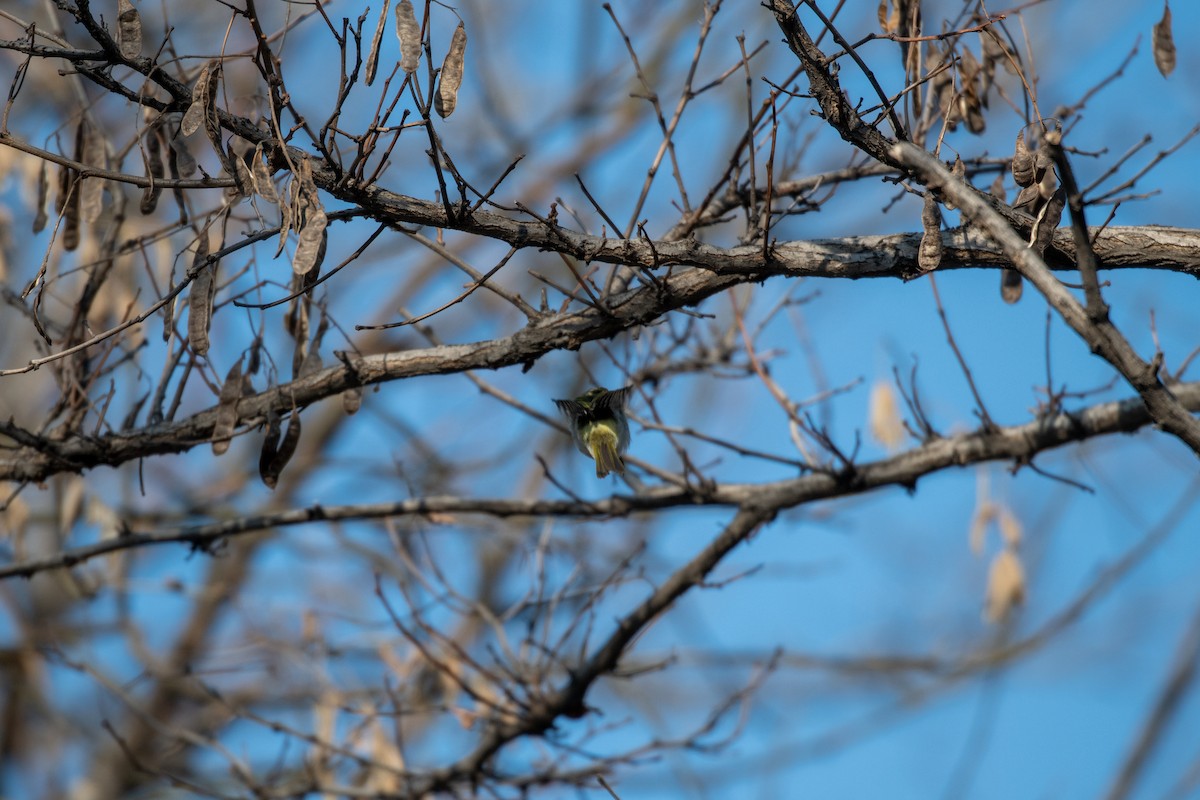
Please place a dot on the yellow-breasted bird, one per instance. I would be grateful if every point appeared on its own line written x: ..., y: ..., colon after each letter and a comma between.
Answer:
x: 600, y: 427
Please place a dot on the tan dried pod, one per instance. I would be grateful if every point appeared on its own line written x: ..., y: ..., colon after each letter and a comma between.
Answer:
x: 231, y: 392
x: 883, y: 417
x: 91, y: 199
x: 200, y: 298
x: 409, y: 33
x: 1006, y: 586
x: 1022, y: 162
x: 376, y: 41
x: 243, y: 182
x: 452, y: 72
x: 129, y: 30
x: 260, y: 176
x: 185, y: 162
x: 352, y: 400
x: 888, y: 22
x: 193, y: 118
x: 929, y: 254
x: 1164, y: 43
x: 310, y: 248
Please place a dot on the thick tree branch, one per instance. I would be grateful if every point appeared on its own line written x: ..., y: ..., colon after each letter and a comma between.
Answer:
x: 1101, y: 336
x: 1017, y: 443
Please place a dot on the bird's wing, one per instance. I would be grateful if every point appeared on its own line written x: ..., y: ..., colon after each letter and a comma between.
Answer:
x: 569, y: 407
x: 616, y: 399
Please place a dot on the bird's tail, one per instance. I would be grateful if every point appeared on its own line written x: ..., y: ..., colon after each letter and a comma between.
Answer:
x: 604, y: 451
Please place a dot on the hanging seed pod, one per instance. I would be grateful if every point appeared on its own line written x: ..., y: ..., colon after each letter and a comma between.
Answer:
x: 929, y: 254
x: 376, y: 41
x: 129, y: 30
x: 69, y: 196
x: 1022, y: 162
x: 1047, y: 220
x: 452, y: 72
x: 154, y: 171
x: 270, y: 448
x: 43, y: 190
x: 231, y: 392
x: 409, y: 33
x: 352, y: 400
x: 201, y: 297
x: 91, y: 192
x: 1164, y: 43
x: 193, y: 118
x: 273, y: 467
x: 311, y: 248
x: 1011, y: 286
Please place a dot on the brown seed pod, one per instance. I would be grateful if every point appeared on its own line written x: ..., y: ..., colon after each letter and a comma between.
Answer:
x: 129, y: 30
x: 43, y: 190
x: 1164, y: 43
x: 231, y: 392
x: 929, y: 254
x: 409, y: 33
x: 452, y: 72
x: 376, y: 41
x: 1022, y: 162
x: 201, y: 297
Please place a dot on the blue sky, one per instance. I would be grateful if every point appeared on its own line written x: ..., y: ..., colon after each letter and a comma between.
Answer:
x: 888, y: 574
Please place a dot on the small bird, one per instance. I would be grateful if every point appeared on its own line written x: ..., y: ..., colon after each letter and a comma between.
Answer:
x: 600, y: 427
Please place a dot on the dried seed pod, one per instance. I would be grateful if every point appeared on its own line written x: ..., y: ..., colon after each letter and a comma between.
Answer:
x: 260, y: 177
x: 129, y: 30
x: 409, y: 33
x: 352, y: 400
x: 194, y: 117
x: 452, y: 72
x: 231, y: 392
x: 310, y: 250
x: 184, y: 160
x: 1022, y: 162
x: 1006, y: 586
x: 883, y: 417
x: 997, y: 51
x: 1047, y: 220
x: 154, y: 170
x: 201, y: 297
x: 43, y: 190
x: 929, y: 254
x: 69, y: 189
x: 243, y: 182
x: 91, y: 199
x: 287, y: 448
x: 1043, y: 171
x: 270, y: 449
x: 376, y: 41
x: 1011, y: 286
x: 1028, y: 199
x: 888, y: 23
x: 1164, y: 43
